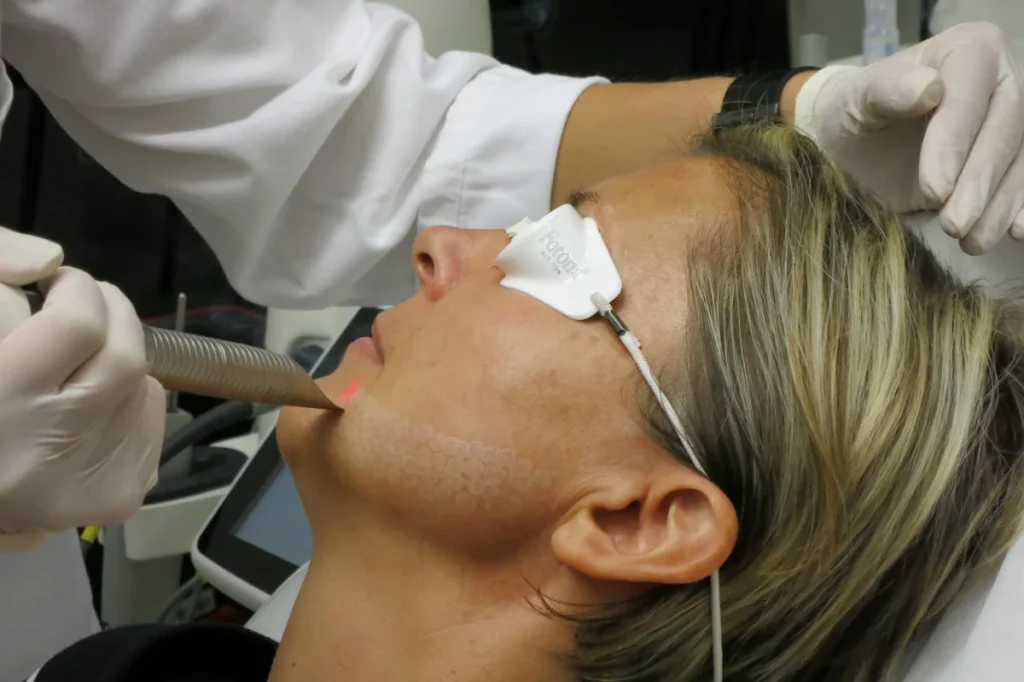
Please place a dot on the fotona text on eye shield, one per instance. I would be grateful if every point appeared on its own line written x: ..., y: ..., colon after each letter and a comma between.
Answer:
x: 561, y: 260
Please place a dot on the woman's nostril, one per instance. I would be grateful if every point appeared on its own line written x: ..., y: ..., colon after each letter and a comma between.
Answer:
x: 425, y: 264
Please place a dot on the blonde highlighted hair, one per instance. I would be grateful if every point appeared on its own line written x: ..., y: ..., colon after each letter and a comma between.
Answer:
x: 863, y: 410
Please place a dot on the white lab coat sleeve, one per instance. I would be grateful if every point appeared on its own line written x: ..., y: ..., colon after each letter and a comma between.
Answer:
x: 305, y: 140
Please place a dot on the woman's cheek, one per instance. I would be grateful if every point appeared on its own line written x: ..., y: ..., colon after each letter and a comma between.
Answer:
x: 438, y: 480
x: 292, y: 426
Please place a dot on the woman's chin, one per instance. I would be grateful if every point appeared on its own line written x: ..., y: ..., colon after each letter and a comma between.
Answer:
x: 302, y: 432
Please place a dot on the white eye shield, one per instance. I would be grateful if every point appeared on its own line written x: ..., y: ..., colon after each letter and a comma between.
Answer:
x: 562, y: 261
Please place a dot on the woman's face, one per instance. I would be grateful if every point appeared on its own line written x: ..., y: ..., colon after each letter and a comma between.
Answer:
x: 482, y: 415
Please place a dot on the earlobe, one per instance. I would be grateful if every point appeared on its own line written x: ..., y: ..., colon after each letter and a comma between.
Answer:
x: 677, y: 527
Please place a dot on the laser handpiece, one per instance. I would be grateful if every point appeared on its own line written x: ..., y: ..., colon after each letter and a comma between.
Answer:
x: 223, y: 369
x: 232, y: 371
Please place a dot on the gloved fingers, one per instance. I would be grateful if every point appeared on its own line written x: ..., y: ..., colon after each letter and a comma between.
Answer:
x: 1017, y: 230
x: 25, y: 259
x: 999, y: 215
x: 105, y: 482
x: 150, y: 435
x: 14, y: 309
x: 121, y: 362
x: 996, y: 147
x: 130, y: 451
x: 970, y: 76
x: 43, y: 351
x: 899, y: 89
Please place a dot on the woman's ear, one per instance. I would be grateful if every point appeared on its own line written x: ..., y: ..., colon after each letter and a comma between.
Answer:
x: 670, y: 526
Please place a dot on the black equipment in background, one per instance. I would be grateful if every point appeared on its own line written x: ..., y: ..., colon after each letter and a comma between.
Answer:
x: 642, y: 40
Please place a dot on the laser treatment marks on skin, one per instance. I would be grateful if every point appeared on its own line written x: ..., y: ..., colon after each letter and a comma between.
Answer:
x: 441, y: 467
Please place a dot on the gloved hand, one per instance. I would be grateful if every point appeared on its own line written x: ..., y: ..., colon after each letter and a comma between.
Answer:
x: 81, y: 424
x: 937, y: 126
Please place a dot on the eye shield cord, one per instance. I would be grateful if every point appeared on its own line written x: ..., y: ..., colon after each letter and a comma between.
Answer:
x: 632, y: 344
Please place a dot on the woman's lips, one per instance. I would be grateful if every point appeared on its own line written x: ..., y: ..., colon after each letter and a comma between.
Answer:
x: 367, y: 349
x: 375, y: 337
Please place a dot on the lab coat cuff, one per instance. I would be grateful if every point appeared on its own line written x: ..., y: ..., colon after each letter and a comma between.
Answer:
x: 494, y: 158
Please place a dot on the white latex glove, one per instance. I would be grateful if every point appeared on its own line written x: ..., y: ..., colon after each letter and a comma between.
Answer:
x: 937, y: 126
x: 81, y: 424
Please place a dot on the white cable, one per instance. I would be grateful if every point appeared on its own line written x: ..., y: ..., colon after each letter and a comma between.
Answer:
x: 717, y: 655
x: 632, y: 344
x: 186, y: 589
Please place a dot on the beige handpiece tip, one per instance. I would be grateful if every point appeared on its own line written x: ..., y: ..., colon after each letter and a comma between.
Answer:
x: 327, y: 402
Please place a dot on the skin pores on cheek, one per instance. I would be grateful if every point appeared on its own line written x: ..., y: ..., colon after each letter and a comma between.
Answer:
x: 443, y: 467
x: 435, y: 474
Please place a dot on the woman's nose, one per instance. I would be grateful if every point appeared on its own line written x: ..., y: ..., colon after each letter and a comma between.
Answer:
x: 442, y: 256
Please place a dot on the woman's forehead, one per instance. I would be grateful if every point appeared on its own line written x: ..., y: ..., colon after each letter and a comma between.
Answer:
x: 656, y: 205
x: 649, y: 219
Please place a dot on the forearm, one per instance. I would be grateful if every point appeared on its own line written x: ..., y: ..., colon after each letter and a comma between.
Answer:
x: 618, y: 128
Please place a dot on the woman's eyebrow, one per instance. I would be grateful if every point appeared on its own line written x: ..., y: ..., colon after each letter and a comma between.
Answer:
x: 582, y: 196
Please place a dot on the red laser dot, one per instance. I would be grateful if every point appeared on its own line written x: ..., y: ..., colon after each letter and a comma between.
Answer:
x: 350, y: 392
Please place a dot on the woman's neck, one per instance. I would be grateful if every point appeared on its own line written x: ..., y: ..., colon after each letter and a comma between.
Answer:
x: 378, y: 607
